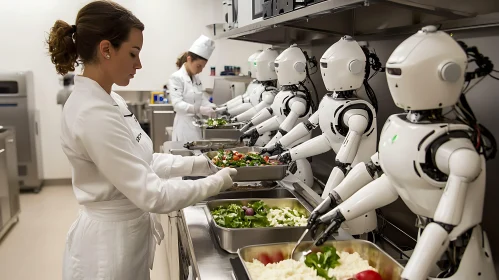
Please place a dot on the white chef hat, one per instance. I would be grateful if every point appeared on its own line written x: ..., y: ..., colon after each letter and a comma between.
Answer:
x: 203, y: 47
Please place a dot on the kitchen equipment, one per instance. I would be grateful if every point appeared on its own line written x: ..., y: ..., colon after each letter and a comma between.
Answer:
x: 267, y: 8
x: 213, y: 144
x: 202, y: 123
x: 9, y: 180
x: 237, y: 88
x: 17, y: 109
x: 295, y: 254
x: 252, y: 173
x: 387, y: 267
x: 160, y: 117
x: 231, y: 239
x: 285, y: 6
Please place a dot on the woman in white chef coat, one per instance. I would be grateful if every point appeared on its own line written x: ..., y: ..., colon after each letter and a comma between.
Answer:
x: 116, y: 177
x: 186, y: 91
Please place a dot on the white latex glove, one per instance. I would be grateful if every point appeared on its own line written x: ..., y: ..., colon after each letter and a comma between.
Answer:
x: 201, y: 166
x: 207, y: 111
x: 226, y: 174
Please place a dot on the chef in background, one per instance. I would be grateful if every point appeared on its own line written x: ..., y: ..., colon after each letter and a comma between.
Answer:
x: 186, y: 91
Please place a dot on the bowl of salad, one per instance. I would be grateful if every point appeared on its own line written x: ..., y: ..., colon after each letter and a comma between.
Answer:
x: 250, y: 165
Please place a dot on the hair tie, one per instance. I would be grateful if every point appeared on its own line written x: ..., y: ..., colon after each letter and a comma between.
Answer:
x: 73, y: 28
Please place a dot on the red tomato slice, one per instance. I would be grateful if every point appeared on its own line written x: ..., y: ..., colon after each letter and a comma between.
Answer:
x: 266, y: 158
x: 277, y: 257
x: 368, y: 275
x: 264, y: 258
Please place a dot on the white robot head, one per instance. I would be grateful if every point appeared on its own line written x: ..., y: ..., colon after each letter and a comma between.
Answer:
x: 265, y: 68
x: 251, y: 63
x: 426, y: 71
x: 343, y: 65
x: 290, y: 66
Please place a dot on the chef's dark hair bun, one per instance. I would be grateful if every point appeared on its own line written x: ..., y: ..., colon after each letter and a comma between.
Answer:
x: 183, y: 58
x: 70, y: 45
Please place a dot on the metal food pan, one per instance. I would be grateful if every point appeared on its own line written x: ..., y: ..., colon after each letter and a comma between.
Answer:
x: 224, y: 132
x: 213, y: 144
x: 231, y: 239
x: 252, y: 173
x: 387, y: 267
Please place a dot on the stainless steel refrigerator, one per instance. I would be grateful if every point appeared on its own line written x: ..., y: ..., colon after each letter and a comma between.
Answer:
x: 17, y: 109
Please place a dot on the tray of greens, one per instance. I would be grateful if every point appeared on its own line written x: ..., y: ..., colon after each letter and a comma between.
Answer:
x: 250, y: 165
x: 237, y: 223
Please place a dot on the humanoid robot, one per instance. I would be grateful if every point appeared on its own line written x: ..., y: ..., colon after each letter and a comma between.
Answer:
x: 290, y: 106
x: 264, y: 71
x: 434, y: 163
x: 348, y: 123
x: 238, y: 100
x: 264, y: 94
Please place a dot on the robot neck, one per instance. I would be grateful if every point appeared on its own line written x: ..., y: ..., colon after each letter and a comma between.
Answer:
x: 347, y: 94
x: 290, y: 87
x: 417, y: 116
x: 271, y: 83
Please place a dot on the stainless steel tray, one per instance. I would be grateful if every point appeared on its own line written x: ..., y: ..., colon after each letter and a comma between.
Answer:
x: 387, y: 267
x: 213, y: 144
x: 231, y: 239
x: 252, y: 173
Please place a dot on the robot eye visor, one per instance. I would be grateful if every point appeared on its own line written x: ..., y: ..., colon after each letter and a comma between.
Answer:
x: 394, y: 71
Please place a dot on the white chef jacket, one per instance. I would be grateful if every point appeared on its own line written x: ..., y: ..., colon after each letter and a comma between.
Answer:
x: 185, y: 94
x: 118, y: 181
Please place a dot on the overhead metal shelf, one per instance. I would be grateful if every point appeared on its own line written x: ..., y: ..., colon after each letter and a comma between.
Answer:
x: 357, y: 17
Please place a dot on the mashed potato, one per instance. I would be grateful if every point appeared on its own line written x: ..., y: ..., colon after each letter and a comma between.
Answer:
x: 286, y: 269
x: 351, y: 264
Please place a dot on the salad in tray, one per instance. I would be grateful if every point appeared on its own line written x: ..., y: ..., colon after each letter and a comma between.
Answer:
x: 257, y: 215
x: 216, y: 122
x: 327, y: 264
x: 228, y: 158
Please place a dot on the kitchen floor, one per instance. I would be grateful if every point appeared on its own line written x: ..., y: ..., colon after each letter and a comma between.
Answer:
x: 34, y: 247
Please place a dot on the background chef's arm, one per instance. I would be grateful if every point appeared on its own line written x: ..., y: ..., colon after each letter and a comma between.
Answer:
x: 169, y: 166
x: 110, y: 147
x: 176, y: 86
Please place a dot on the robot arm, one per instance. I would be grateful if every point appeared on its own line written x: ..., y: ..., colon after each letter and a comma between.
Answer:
x: 462, y: 163
x: 298, y: 107
x: 260, y: 117
x: 299, y: 131
x: 236, y: 110
x: 268, y: 99
x: 376, y: 194
x: 268, y: 125
x: 361, y: 175
x: 357, y: 123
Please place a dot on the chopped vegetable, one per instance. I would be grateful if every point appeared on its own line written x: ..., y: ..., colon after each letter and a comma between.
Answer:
x: 215, y: 122
x: 255, y: 215
x: 230, y: 158
x: 323, y: 261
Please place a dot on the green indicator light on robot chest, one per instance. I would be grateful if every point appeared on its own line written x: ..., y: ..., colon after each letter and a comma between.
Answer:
x: 394, y: 138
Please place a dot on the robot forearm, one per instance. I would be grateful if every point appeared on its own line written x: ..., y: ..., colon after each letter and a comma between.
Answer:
x: 236, y: 110
x: 376, y: 194
x: 260, y: 117
x: 268, y: 125
x: 429, y: 248
x: 315, y: 146
x: 247, y: 115
x: 358, y: 177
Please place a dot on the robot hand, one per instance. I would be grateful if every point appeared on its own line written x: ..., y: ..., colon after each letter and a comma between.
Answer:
x: 284, y: 157
x: 277, y: 149
x: 331, y: 221
x: 252, y: 134
x: 326, y: 205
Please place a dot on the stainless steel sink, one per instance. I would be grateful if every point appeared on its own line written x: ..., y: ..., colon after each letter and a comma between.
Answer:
x: 273, y: 193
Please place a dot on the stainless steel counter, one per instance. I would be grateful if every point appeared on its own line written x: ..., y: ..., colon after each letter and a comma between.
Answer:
x: 208, y: 260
